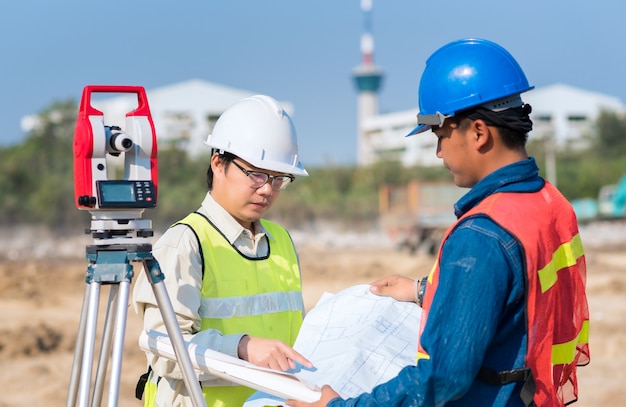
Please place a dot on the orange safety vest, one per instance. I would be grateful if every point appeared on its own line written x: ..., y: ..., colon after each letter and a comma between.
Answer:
x: 556, y: 304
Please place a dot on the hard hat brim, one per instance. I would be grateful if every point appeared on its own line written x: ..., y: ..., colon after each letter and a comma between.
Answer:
x: 421, y: 128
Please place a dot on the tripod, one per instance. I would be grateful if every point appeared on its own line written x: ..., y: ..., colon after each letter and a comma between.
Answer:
x: 109, y: 264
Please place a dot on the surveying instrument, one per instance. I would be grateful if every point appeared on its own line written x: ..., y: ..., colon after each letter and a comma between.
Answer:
x: 120, y: 236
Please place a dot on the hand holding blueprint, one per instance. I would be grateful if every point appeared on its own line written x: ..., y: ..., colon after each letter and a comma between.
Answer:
x: 356, y: 340
x: 238, y: 371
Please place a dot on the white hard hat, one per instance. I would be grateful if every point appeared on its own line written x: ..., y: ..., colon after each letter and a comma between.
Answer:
x: 258, y: 130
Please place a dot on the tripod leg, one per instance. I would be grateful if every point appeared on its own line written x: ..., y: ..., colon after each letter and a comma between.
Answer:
x: 173, y: 330
x: 78, y: 352
x: 90, y: 338
x: 105, y: 351
x: 118, y: 343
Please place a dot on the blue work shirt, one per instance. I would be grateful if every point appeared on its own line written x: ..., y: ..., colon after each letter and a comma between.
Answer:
x: 477, y: 317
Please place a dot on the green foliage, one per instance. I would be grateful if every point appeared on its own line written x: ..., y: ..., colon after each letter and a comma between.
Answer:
x: 611, y: 135
x: 344, y: 195
x: 581, y: 173
x: 36, y: 179
x: 182, y: 186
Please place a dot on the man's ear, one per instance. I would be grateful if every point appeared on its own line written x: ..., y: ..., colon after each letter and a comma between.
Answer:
x: 215, y: 161
x: 217, y: 164
x: 482, y: 134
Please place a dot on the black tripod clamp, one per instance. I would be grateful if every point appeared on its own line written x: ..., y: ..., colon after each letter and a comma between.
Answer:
x: 110, y: 264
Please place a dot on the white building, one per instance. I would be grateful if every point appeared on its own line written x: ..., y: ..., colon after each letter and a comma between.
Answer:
x: 566, y: 113
x: 560, y: 111
x: 183, y: 113
x: 383, y: 137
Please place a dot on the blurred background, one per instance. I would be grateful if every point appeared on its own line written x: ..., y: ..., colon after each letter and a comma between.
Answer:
x: 347, y: 72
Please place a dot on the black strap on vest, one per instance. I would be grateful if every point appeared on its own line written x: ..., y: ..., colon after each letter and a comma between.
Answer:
x: 141, y: 384
x: 492, y: 377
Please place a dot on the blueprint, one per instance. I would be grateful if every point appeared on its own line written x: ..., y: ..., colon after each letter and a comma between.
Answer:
x: 279, y: 384
x: 356, y: 340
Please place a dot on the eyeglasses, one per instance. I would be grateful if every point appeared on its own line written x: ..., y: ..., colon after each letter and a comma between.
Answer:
x: 259, y: 179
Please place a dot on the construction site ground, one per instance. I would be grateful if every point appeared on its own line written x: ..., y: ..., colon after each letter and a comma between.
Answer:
x: 41, y: 297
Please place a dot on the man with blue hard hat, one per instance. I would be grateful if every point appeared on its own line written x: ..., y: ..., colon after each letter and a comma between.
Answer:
x: 505, y: 318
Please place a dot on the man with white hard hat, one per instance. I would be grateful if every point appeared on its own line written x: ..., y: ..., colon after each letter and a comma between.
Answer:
x: 233, y: 277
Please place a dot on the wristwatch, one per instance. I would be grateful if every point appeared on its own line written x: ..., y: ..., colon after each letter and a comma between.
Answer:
x: 420, y: 289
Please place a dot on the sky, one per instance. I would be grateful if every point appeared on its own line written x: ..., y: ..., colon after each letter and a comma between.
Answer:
x: 294, y: 50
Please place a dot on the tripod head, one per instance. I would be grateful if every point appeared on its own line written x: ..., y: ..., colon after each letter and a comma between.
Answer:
x: 115, y: 205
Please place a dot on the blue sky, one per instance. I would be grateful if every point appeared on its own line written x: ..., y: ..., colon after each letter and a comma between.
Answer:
x: 301, y: 51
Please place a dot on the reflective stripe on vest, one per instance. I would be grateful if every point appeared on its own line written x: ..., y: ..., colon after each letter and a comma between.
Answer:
x: 557, y: 312
x: 246, y: 306
x: 565, y: 353
x: 565, y: 256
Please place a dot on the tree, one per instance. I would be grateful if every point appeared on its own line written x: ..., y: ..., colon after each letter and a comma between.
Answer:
x: 37, y: 180
x: 610, y: 140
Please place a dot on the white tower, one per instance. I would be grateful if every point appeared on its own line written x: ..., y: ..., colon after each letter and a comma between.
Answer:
x: 368, y: 79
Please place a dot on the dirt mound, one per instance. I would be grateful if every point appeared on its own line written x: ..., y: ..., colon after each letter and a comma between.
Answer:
x: 41, y: 302
x: 32, y: 341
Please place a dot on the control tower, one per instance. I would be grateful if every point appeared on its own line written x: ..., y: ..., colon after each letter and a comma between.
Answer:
x: 368, y: 79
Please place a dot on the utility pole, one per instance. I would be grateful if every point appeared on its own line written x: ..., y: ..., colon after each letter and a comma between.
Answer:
x: 549, y: 141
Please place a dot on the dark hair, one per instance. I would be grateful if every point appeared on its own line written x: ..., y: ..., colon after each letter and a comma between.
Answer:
x: 224, y: 156
x: 513, y: 124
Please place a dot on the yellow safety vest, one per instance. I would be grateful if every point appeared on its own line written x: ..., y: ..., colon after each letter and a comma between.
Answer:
x: 258, y: 296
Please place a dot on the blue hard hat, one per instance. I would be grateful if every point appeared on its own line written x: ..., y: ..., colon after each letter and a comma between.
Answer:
x: 464, y: 74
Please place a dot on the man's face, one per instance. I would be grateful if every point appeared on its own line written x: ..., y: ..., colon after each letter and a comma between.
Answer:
x: 233, y: 190
x: 453, y: 148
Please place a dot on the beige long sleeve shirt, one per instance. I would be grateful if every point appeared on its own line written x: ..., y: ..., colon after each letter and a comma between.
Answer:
x: 178, y: 255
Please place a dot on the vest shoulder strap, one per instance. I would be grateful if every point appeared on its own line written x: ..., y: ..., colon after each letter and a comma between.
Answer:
x: 186, y: 222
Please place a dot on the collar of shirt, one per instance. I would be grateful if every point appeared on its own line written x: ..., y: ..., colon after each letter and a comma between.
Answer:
x: 238, y: 236
x: 521, y: 176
